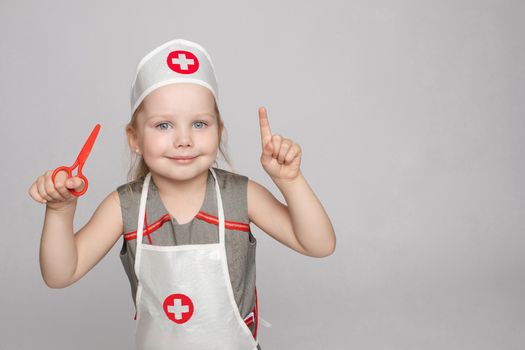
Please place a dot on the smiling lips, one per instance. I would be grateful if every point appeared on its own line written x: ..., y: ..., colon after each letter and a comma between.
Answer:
x: 183, y: 159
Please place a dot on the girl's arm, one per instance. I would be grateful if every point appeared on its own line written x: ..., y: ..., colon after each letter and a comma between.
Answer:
x: 302, y: 225
x: 64, y: 256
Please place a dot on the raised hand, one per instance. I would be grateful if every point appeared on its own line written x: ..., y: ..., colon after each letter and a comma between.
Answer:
x: 281, y: 157
x: 55, y: 194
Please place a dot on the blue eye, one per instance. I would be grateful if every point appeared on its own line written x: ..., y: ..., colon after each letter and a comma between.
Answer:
x: 160, y: 126
x: 165, y: 125
x: 201, y: 123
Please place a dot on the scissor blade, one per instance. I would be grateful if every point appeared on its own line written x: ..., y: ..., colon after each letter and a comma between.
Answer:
x: 86, y: 149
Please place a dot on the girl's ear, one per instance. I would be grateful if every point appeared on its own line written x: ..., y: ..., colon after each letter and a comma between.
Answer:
x: 132, y: 139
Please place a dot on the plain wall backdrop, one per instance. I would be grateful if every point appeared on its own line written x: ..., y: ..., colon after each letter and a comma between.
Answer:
x: 411, y: 119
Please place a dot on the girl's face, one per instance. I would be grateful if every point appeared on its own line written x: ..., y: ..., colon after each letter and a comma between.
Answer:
x: 178, y: 120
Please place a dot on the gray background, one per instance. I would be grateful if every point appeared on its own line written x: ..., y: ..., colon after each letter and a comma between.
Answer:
x: 411, y: 119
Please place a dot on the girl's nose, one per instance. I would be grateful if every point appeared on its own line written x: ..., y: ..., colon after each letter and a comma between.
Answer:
x: 183, y: 138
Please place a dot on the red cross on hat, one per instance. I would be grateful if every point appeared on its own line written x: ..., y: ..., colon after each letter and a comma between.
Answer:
x: 183, y: 62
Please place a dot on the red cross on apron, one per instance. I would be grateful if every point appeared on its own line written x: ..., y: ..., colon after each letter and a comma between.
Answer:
x: 178, y: 308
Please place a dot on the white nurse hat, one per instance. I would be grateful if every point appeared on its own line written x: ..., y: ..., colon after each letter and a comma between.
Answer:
x: 176, y: 61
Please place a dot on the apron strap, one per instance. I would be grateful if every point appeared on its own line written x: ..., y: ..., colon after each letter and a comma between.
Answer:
x: 220, y: 210
x: 140, y: 223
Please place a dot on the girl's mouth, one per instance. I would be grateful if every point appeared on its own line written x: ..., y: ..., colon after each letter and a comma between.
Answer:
x: 183, y: 160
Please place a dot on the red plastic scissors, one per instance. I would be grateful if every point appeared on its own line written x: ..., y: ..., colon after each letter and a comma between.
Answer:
x: 81, y: 159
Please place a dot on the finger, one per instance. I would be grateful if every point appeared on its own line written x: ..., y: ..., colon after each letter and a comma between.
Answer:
x: 58, y: 182
x: 276, y: 140
x: 61, y: 175
x: 268, y: 150
x: 294, y: 151
x: 285, y: 147
x: 42, y: 189
x: 62, y: 187
x: 51, y: 187
x: 266, y: 156
x: 264, y: 126
x: 33, y: 192
x: 75, y: 183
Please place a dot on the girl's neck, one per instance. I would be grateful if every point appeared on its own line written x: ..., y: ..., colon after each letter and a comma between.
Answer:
x: 180, y: 189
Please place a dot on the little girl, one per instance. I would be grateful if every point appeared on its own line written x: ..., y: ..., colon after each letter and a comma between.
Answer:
x: 187, y: 247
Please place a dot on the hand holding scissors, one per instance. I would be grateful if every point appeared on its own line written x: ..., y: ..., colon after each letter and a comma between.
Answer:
x: 81, y: 159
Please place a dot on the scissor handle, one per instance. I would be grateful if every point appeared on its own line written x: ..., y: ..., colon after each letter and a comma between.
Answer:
x: 69, y: 171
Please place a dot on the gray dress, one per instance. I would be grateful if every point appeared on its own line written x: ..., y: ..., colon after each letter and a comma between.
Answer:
x: 162, y: 229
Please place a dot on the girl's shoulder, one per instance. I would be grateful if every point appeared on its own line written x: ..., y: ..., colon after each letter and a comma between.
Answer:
x: 232, y: 183
x: 130, y: 192
x: 226, y: 175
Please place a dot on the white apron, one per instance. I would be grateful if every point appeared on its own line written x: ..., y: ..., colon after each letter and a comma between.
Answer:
x: 184, y: 296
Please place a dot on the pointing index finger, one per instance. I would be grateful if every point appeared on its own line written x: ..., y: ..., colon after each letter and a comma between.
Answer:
x: 264, y: 124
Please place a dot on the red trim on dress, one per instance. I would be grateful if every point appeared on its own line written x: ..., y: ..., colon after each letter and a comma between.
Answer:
x: 253, y: 316
x: 249, y: 320
x: 256, y: 311
x: 232, y: 225
x: 148, y: 229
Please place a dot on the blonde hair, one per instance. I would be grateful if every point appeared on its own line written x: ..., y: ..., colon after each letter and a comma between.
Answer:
x: 138, y: 167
